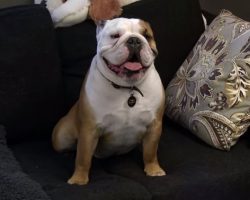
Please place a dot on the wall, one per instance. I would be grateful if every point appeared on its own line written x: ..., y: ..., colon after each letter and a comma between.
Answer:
x: 240, y: 8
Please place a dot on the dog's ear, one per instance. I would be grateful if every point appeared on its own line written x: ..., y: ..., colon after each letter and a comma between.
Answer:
x: 99, y: 27
x: 147, y: 32
x: 104, y: 9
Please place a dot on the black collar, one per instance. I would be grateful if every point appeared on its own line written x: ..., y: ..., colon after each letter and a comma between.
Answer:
x: 127, y: 87
x: 116, y: 86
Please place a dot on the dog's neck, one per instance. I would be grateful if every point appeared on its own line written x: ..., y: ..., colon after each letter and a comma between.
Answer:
x: 131, y: 100
x: 131, y: 88
x: 117, y: 86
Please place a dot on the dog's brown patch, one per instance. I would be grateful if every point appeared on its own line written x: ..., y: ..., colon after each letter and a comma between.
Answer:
x: 147, y: 32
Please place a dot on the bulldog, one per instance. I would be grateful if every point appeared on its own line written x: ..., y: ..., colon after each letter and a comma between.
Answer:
x: 121, y: 102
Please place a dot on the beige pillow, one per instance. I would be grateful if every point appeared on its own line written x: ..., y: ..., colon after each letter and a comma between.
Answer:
x: 210, y: 94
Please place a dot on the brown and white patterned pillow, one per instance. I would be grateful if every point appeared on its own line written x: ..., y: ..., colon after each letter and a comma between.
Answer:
x: 210, y: 94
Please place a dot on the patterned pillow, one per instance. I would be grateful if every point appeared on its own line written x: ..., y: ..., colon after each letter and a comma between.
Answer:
x: 210, y: 94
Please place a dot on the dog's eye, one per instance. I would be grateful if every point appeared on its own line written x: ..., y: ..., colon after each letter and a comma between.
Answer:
x: 115, y: 36
x: 147, y: 36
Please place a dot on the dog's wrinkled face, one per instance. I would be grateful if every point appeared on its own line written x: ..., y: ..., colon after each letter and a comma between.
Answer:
x: 127, y: 47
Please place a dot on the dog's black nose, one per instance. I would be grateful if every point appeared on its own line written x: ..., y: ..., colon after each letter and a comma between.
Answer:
x: 134, y: 42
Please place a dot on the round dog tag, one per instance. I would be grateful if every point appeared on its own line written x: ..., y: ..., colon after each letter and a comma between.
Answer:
x: 131, y: 101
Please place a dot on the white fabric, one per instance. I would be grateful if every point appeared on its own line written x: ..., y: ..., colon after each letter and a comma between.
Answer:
x: 72, y: 11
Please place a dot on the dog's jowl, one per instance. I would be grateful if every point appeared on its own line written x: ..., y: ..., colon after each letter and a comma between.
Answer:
x: 121, y: 103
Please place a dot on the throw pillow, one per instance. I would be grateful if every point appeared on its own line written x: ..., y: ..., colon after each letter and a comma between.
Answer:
x: 210, y: 94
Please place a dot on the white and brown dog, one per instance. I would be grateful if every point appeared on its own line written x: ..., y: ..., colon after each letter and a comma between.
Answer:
x: 121, y: 102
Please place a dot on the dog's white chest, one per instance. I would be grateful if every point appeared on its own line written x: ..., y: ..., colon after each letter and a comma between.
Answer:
x: 120, y: 126
x: 127, y: 120
x: 123, y: 129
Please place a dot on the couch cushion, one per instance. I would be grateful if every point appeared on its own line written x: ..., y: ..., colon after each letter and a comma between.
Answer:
x: 77, y: 47
x: 210, y: 92
x: 177, y: 26
x: 52, y: 170
x: 194, y: 171
x: 30, y: 78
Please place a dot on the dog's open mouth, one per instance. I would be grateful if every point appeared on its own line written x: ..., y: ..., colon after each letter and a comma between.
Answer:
x: 131, y: 67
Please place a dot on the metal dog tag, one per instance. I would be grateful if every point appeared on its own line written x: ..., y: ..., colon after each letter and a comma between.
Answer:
x: 131, y: 101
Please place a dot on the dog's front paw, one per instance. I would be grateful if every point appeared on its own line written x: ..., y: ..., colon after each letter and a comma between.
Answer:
x: 78, y: 180
x: 154, y: 170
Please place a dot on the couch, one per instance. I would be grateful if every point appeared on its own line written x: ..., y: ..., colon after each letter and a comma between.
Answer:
x: 41, y: 71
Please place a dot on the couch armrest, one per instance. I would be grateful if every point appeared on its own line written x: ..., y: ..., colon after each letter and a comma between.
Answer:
x: 31, y: 96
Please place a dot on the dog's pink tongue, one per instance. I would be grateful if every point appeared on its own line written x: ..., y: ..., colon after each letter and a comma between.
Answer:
x: 133, y: 66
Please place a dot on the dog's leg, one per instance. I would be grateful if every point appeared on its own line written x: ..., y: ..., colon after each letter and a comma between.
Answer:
x: 64, y: 136
x: 150, y: 146
x: 87, y: 142
x: 65, y: 133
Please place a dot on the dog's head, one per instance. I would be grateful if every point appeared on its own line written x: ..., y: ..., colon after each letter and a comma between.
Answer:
x: 127, y: 48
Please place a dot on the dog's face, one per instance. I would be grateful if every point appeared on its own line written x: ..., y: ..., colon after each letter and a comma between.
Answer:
x: 127, y: 47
